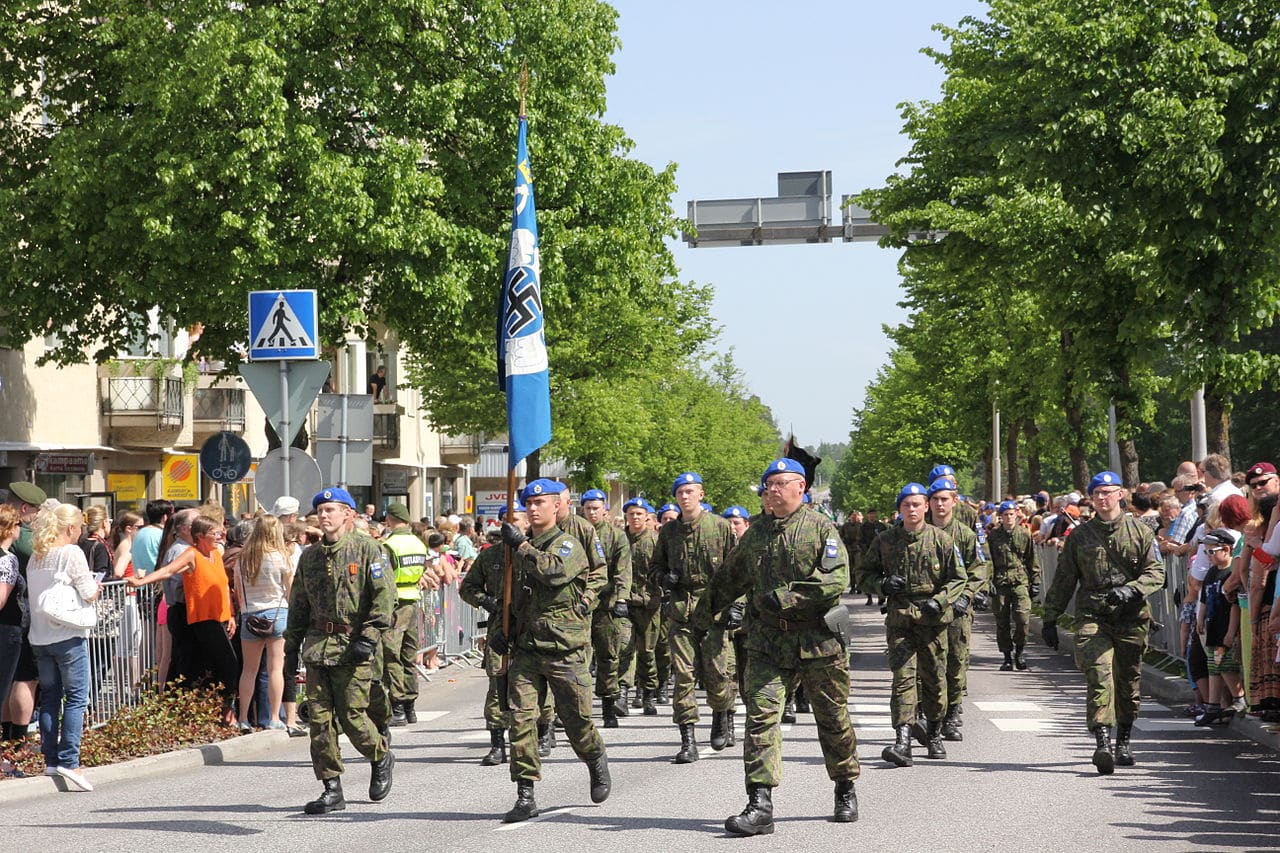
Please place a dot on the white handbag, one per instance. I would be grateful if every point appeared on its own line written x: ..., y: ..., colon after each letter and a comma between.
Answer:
x: 62, y: 605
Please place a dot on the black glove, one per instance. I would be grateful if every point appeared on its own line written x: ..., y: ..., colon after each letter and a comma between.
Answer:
x: 733, y: 616
x: 668, y: 581
x: 491, y: 604
x: 361, y: 650
x: 961, y: 607
x: 930, y: 608
x: 982, y: 602
x: 498, y: 643
x: 894, y: 585
x: 1049, y: 633
x: 512, y: 536
x: 582, y: 608
x: 620, y: 608
x: 1121, y: 595
x: 1035, y: 590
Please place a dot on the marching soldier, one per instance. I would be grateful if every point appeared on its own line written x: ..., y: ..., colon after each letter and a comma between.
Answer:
x: 408, y: 557
x: 662, y: 651
x: 792, y: 569
x: 916, y: 566
x: 943, y: 499
x: 690, y: 550
x: 343, y: 600
x: 640, y: 664
x: 872, y: 527
x: 1111, y: 561
x: 554, y: 593
x: 610, y: 624
x: 1015, y: 573
x: 739, y: 520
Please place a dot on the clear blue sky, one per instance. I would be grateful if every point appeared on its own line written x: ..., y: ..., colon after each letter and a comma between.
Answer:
x: 735, y: 92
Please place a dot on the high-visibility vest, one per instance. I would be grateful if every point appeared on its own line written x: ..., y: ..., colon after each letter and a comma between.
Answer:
x: 408, y: 558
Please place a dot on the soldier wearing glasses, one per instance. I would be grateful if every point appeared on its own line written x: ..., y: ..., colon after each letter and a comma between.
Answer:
x: 1110, y: 559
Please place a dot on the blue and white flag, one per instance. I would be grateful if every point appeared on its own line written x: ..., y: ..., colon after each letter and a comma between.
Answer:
x: 522, y: 345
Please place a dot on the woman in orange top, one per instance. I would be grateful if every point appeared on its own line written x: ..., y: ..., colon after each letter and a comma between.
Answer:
x: 209, y: 616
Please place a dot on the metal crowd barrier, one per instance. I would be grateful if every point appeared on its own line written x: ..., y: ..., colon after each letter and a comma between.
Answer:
x: 121, y: 649
x: 450, y: 626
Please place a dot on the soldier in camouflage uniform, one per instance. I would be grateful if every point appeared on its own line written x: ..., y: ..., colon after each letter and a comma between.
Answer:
x: 943, y: 500
x: 482, y: 588
x: 662, y: 651
x: 792, y: 568
x: 872, y: 527
x: 689, y: 552
x: 610, y: 624
x: 553, y: 597
x: 1015, y: 567
x: 916, y: 566
x: 639, y: 663
x: 1111, y: 560
x: 342, y: 601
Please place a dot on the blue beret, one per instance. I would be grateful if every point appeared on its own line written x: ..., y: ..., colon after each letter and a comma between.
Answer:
x: 502, y: 510
x: 685, y: 479
x: 333, y: 495
x: 542, y: 487
x: 1106, y: 478
x: 807, y: 499
x: 594, y: 495
x: 782, y: 466
x: 640, y: 502
x: 942, y: 484
x: 668, y: 508
x: 736, y: 512
x: 1005, y: 506
x: 706, y: 507
x: 910, y: 489
x: 941, y: 471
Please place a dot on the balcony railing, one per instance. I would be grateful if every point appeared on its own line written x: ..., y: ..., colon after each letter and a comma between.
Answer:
x: 223, y: 407
x: 459, y: 449
x: 142, y: 396
x: 386, y: 431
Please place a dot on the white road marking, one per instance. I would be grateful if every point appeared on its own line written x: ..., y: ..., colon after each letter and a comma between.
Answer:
x: 1007, y: 707
x: 873, y: 722
x: 545, y: 815
x: 869, y: 708
x: 428, y: 716
x: 1184, y: 725
x: 483, y: 734
x: 874, y: 732
x: 1023, y: 725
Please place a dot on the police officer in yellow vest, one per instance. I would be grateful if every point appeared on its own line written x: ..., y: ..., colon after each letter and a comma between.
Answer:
x: 408, y: 558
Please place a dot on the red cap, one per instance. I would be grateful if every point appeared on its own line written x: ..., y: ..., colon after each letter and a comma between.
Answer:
x: 1259, y: 469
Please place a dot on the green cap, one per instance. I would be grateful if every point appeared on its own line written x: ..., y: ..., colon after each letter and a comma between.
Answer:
x: 28, y: 493
x: 399, y: 510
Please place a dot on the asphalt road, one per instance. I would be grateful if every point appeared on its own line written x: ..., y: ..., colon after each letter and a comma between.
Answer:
x: 1020, y: 779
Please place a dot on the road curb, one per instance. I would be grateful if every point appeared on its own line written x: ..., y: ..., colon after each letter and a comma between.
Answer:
x: 242, y: 746
x: 1169, y: 689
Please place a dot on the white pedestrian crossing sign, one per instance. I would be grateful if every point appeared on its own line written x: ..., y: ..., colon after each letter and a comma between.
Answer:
x: 283, y: 324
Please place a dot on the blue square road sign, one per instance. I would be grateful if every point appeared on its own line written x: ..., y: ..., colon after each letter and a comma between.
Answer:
x: 283, y: 324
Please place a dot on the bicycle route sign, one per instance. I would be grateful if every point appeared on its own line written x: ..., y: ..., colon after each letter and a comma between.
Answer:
x: 225, y: 458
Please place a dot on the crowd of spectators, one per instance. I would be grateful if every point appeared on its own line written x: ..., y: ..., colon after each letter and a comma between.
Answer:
x: 216, y: 589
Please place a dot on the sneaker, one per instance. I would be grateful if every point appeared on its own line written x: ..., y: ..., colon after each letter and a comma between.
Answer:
x: 51, y: 771
x: 75, y: 779
x: 1194, y: 710
x: 1238, y: 706
x: 244, y: 727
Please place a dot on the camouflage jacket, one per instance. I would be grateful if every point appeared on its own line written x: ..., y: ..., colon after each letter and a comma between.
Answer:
x: 582, y: 530
x: 617, y: 553
x: 851, y: 536
x: 645, y: 592
x: 485, y: 578
x: 1099, y: 556
x: 342, y: 590
x: 929, y: 562
x: 792, y: 571
x: 972, y: 560
x: 693, y: 551
x: 551, y: 578
x: 1013, y: 557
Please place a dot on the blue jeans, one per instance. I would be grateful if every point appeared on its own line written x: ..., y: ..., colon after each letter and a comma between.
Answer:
x: 64, y: 674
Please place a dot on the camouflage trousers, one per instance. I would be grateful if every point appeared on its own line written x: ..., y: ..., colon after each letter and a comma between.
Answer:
x: 958, y: 633
x: 639, y: 664
x: 530, y: 677
x: 496, y: 713
x: 921, y: 648
x: 826, y: 682
x: 662, y: 648
x: 400, y: 651
x: 1111, y: 657
x: 338, y: 701
x: 1012, y: 607
x: 609, y: 636
x: 717, y: 670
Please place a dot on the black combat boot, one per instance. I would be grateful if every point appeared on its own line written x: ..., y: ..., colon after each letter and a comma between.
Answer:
x: 789, y: 710
x: 621, y: 703
x: 397, y: 715
x: 1102, y: 757
x: 900, y: 752
x: 526, y: 806
x: 380, y: 779
x: 410, y: 711
x: 718, y: 736
x: 330, y: 801
x: 1123, y: 754
x: 688, y: 745
x: 846, y: 802
x: 546, y: 739
x: 497, y: 749
x: 936, y: 748
x: 610, y: 712
x: 1007, y: 666
x: 1019, y: 659
x: 598, y: 768
x: 802, y: 701
x: 870, y: 600
x: 951, y: 725
x: 757, y: 817
x: 650, y: 703
x: 729, y: 737
x: 920, y: 731
x: 663, y: 696
x: 637, y: 698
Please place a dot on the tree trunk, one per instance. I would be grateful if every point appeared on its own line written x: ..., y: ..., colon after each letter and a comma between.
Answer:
x: 1074, y: 414
x: 1124, y: 428
x: 1034, y: 476
x: 1217, y: 421
x: 1011, y: 459
x: 533, y: 466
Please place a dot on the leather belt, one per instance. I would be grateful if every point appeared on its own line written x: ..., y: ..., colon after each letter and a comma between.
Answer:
x: 332, y: 627
x: 789, y: 624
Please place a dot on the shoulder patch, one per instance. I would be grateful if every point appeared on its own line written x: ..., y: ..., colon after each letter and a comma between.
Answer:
x: 375, y: 569
x: 831, y: 551
x: 566, y: 548
x: 599, y: 550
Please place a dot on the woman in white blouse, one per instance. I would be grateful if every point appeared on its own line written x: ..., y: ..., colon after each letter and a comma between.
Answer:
x: 263, y: 578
